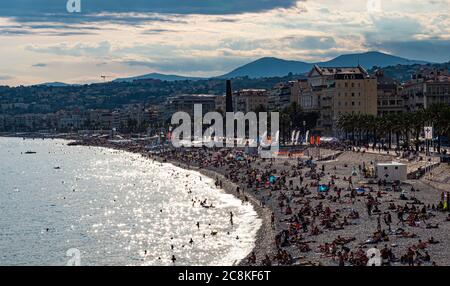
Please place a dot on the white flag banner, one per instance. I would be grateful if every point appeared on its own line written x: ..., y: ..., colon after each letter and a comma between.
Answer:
x: 428, y: 133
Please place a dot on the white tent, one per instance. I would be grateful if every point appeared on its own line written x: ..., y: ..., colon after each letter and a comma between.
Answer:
x: 391, y: 172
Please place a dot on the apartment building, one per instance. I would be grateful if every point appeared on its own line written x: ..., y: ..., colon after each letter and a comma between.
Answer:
x: 425, y: 89
x: 334, y: 91
x: 247, y: 100
x: 186, y: 103
x: 279, y: 97
x: 389, y: 98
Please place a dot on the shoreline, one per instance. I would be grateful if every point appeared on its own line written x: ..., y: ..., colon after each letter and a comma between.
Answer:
x: 265, y: 233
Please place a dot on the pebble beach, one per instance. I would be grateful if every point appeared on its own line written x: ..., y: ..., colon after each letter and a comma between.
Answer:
x: 404, y: 225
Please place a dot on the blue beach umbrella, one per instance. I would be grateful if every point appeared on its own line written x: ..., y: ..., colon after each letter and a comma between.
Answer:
x: 323, y: 189
x: 272, y: 179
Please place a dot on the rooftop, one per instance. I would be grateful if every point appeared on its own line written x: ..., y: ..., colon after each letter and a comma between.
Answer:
x: 385, y: 164
x: 329, y: 71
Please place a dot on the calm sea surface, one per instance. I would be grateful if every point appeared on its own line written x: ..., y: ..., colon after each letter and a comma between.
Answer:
x: 115, y: 208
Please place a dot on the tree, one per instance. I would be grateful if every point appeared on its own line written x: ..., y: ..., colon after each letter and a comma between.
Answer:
x: 439, y: 118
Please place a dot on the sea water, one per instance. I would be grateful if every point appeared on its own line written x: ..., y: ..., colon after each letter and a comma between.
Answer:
x: 113, y: 208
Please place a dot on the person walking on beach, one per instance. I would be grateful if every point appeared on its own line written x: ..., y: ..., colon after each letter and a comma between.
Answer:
x: 231, y: 218
x: 369, y: 208
x: 400, y: 217
x: 388, y: 220
x: 252, y: 258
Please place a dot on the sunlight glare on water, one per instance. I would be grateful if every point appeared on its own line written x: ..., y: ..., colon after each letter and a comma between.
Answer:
x: 117, y: 208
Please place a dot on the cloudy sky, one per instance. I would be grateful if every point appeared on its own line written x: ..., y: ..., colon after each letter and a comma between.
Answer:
x: 42, y: 42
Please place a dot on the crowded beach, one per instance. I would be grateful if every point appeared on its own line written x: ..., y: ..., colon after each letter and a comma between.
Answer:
x: 327, y: 213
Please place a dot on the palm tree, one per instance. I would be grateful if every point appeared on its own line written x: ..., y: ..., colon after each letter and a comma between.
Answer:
x: 346, y: 122
x: 389, y: 124
x: 416, y: 122
x: 285, y: 122
x: 439, y: 117
x: 403, y: 125
x: 377, y: 129
x: 371, y: 125
x: 397, y: 127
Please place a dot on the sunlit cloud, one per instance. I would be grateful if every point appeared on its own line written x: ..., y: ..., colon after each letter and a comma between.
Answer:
x: 210, y: 39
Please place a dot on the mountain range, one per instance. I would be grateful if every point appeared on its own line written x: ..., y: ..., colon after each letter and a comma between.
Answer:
x: 269, y: 67
x: 275, y: 67
x: 157, y: 76
x: 56, y: 84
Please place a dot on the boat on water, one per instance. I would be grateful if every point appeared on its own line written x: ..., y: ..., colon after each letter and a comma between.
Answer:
x: 30, y: 152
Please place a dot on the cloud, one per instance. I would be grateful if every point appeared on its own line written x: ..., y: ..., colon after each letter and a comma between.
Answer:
x: 25, y: 10
x: 47, y: 29
x: 13, y: 32
x: 204, y: 38
x: 394, y: 26
x: 39, y: 65
x: 205, y: 65
x: 310, y: 42
x: 158, y: 31
x: 5, y: 77
x: 437, y: 50
x: 79, y: 49
x: 225, y: 20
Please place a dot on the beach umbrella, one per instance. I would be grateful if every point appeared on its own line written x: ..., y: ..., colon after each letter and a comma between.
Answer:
x: 272, y: 179
x: 239, y: 157
x: 322, y: 188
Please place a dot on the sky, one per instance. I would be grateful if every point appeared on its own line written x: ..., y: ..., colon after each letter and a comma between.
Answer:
x: 42, y: 42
